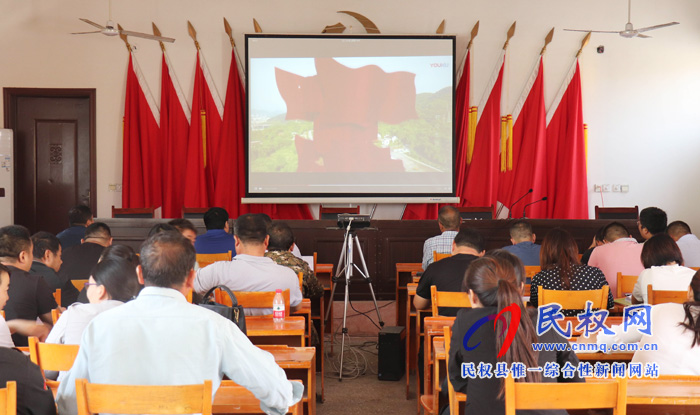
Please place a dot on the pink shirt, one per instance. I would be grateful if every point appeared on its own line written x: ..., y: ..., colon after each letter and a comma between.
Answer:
x: 623, y: 255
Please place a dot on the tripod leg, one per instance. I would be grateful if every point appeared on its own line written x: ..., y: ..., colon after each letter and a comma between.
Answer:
x: 341, y: 263
x: 369, y: 281
x: 344, y: 329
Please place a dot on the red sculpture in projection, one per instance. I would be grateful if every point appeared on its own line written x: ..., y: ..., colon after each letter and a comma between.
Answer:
x: 346, y: 106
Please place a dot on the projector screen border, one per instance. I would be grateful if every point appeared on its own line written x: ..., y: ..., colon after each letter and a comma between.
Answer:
x: 378, y: 200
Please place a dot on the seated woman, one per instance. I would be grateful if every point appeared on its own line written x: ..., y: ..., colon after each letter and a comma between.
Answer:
x: 561, y: 269
x: 664, y: 271
x: 493, y: 283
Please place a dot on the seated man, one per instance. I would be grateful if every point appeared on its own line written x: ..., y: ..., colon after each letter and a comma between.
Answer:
x: 250, y: 270
x: 620, y: 253
x: 217, y: 239
x: 79, y: 218
x: 47, y: 259
x: 687, y: 242
x: 448, y: 221
x: 161, y: 339
x: 79, y: 260
x: 268, y: 222
x: 523, y: 243
x: 30, y: 296
x: 652, y: 221
x: 186, y: 228
x: 447, y: 274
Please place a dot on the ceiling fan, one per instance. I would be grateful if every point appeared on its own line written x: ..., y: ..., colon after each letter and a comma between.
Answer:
x: 629, y: 31
x: 111, y: 29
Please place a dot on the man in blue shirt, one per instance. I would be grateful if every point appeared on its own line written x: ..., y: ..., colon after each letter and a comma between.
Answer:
x: 217, y: 239
x: 523, y: 240
x: 79, y: 218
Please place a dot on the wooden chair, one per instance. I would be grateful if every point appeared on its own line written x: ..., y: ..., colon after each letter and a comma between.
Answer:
x: 235, y: 399
x: 573, y: 299
x: 206, y: 259
x: 625, y: 284
x: 661, y: 297
x: 57, y: 296
x: 438, y: 256
x: 143, y: 399
x: 54, y: 357
x: 695, y: 268
x: 253, y: 299
x: 532, y: 270
x: 447, y: 299
x: 454, y: 397
x: 55, y: 315
x: 79, y: 284
x: 2, y: 313
x: 616, y: 213
x: 476, y: 212
x: 193, y: 213
x: 332, y: 213
x: 133, y: 213
x: 301, y: 280
x: 526, y: 290
x: 8, y: 399
x: 593, y: 394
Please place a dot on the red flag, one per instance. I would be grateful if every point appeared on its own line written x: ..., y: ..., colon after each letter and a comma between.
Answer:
x: 529, y: 151
x: 430, y: 210
x: 141, y: 169
x: 203, y: 140
x: 175, y: 125
x: 567, y: 184
x: 481, y: 182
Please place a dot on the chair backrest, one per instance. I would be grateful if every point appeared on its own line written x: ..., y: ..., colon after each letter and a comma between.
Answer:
x: 625, y: 284
x: 49, y: 356
x: 79, y: 284
x: 532, y: 270
x: 451, y: 394
x: 2, y: 313
x: 193, y: 213
x: 526, y: 290
x: 447, y: 299
x: 476, y: 212
x: 133, y: 213
x: 234, y: 399
x: 333, y: 212
x: 8, y: 399
x: 57, y: 296
x: 205, y: 259
x: 661, y: 297
x: 438, y: 256
x: 615, y: 213
x: 143, y: 399
x: 695, y: 268
x: 593, y: 394
x: 301, y: 280
x: 573, y: 299
x: 253, y: 299
x: 55, y: 315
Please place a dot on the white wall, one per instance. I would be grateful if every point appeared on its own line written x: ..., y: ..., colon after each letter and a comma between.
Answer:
x: 640, y: 96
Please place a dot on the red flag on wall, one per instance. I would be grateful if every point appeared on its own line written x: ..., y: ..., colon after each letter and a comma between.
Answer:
x: 174, y: 128
x: 141, y: 169
x: 567, y: 184
x: 203, y: 140
x: 528, y: 151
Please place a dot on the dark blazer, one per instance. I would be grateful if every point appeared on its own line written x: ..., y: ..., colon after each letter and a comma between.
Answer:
x: 33, y: 397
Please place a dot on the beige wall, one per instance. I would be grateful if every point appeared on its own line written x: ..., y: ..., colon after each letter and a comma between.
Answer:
x: 640, y: 96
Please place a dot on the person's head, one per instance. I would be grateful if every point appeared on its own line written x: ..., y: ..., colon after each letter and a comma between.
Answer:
x: 47, y: 249
x: 186, y: 228
x: 281, y: 237
x: 521, y: 231
x: 614, y: 231
x: 266, y: 218
x: 216, y: 218
x: 652, y: 221
x: 98, y: 233
x: 167, y: 260
x: 559, y: 249
x: 692, y: 320
x: 496, y: 281
x: 599, y: 237
x: 4, y: 285
x: 121, y: 251
x: 661, y: 250
x: 468, y: 241
x: 250, y: 233
x: 678, y: 229
x: 80, y: 215
x: 449, y: 219
x: 16, y: 247
x: 161, y: 227
x: 113, y: 278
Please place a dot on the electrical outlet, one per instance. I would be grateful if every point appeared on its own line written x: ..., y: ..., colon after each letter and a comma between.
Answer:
x: 616, y: 188
x: 624, y: 188
x: 597, y: 188
x: 119, y: 187
x: 606, y: 188
x: 112, y: 187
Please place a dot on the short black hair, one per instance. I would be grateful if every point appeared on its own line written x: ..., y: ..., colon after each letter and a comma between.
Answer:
x: 45, y: 241
x: 98, y: 230
x: 161, y: 227
x: 121, y: 251
x: 79, y: 215
x: 183, y: 224
x: 14, y: 240
x: 215, y: 218
x: 470, y: 238
x: 281, y: 237
x: 448, y: 217
x: 166, y: 259
x: 521, y: 229
x: 250, y: 228
x: 660, y: 250
x: 266, y: 218
x: 614, y: 231
x: 118, y: 276
x: 678, y: 228
x: 654, y: 219
x: 600, y: 234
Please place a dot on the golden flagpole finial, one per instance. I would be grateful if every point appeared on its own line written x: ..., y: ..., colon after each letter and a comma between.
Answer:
x: 369, y: 25
x: 229, y: 32
x: 511, y: 32
x: 475, y: 31
x: 123, y: 37
x: 441, y: 29
x: 156, y: 32
x: 547, y: 40
x: 584, y: 42
x: 334, y: 28
x: 257, y: 27
x: 193, y: 34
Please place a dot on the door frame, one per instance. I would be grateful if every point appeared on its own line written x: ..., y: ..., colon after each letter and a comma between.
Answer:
x: 10, y: 96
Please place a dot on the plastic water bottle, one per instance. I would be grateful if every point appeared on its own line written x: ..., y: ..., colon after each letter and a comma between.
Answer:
x: 278, y: 307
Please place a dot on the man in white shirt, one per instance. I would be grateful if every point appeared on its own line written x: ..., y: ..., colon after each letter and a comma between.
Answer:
x: 449, y: 222
x: 250, y: 270
x: 686, y: 241
x: 161, y: 339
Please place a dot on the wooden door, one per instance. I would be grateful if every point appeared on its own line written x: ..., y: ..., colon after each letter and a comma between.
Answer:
x: 54, y: 146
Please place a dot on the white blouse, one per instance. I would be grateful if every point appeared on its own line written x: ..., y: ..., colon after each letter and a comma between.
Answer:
x: 666, y: 277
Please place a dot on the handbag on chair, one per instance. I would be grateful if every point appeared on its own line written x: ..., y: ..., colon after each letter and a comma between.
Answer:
x: 234, y: 312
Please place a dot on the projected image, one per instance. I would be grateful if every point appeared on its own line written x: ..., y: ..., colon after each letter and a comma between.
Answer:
x: 351, y: 114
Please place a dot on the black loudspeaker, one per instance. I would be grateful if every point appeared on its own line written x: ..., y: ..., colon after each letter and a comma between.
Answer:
x: 392, y: 353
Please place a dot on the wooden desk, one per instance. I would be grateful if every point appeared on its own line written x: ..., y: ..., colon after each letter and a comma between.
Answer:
x: 432, y: 327
x: 418, y: 332
x: 262, y: 330
x: 403, y: 278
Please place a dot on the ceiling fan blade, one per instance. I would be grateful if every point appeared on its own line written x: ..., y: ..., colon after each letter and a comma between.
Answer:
x: 147, y: 36
x: 643, y: 36
x: 93, y: 23
x: 658, y: 26
x: 592, y: 31
x: 86, y: 33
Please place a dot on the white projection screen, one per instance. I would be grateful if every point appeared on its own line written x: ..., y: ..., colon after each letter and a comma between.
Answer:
x: 350, y: 116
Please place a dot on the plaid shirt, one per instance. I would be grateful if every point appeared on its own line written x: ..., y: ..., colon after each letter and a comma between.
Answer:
x: 442, y: 244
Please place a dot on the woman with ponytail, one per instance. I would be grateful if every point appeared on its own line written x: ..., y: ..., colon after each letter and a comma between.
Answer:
x: 494, y: 285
